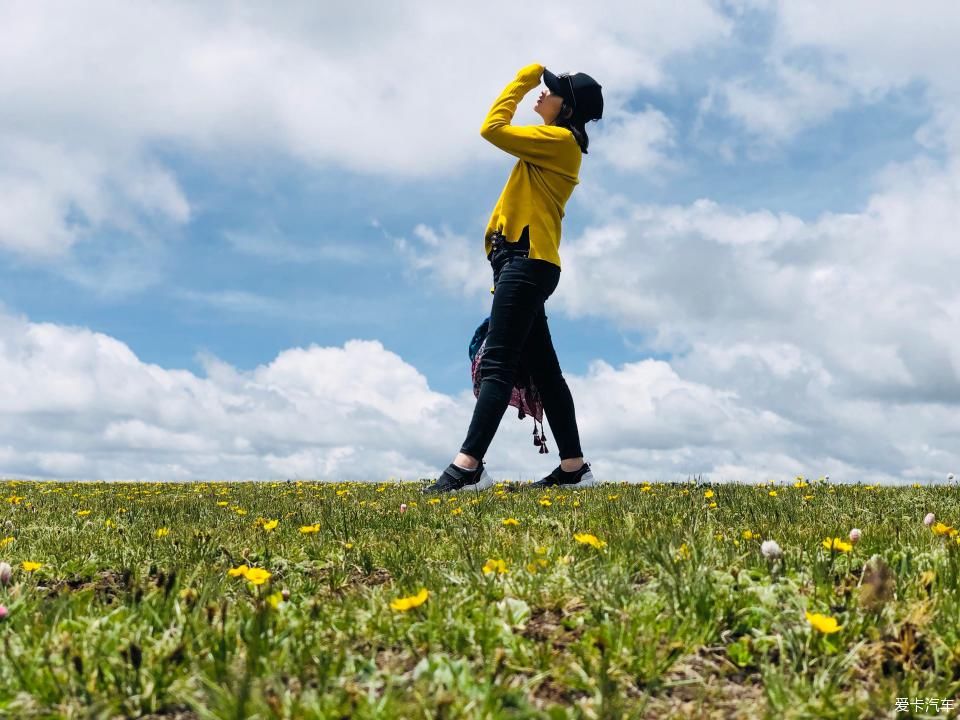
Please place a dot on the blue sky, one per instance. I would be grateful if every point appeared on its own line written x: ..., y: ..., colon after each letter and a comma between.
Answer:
x: 291, y: 243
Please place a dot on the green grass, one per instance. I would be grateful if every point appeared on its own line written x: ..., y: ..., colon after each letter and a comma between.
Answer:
x: 677, y: 615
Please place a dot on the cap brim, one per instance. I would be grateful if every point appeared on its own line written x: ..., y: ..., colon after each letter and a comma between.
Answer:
x: 551, y: 81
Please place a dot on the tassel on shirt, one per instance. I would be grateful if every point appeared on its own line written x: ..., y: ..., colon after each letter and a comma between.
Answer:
x: 540, y: 441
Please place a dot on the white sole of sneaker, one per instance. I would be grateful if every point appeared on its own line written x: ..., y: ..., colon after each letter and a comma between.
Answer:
x: 484, y: 483
x: 587, y: 480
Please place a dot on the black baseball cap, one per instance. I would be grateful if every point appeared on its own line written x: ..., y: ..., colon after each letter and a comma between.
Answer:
x: 580, y: 90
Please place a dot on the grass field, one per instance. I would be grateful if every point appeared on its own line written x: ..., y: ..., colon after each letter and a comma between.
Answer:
x: 321, y: 600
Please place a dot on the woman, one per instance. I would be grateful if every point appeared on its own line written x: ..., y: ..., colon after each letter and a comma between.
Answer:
x: 522, y: 243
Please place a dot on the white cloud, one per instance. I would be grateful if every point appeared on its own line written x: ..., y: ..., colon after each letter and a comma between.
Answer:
x: 271, y: 244
x: 825, y: 56
x: 781, y: 108
x: 79, y: 404
x: 446, y: 260
x: 56, y: 193
x: 90, y: 91
x: 638, y: 141
x: 833, y: 325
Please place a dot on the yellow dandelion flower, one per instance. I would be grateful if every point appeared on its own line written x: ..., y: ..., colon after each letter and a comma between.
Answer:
x: 433, y: 501
x: 712, y: 505
x: 315, y: 528
x: 823, y: 623
x: 83, y: 513
x: 223, y: 503
x: 348, y: 546
x: 808, y: 497
x: 30, y: 567
x: 540, y: 550
x: 772, y: 493
x: 162, y: 532
x: 270, y: 525
x: 275, y: 599
x: 800, y: 484
x: 646, y: 488
x: 511, y: 521
x: 718, y: 537
x: 240, y: 571
x: 588, y: 539
x: 532, y: 568
x: 748, y: 535
x: 613, y: 497
x: 258, y: 576
x: 837, y: 544
x: 576, y: 503
x: 708, y: 494
x: 456, y: 511
x: 406, y: 603
x: 494, y: 566
x: 683, y: 553
x: 545, y: 502
x: 6, y: 541
x: 941, y: 529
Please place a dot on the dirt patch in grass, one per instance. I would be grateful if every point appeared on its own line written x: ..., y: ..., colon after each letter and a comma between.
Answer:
x: 106, y: 584
x: 356, y: 578
x: 550, y: 692
x: 177, y: 713
x: 377, y: 576
x: 547, y: 625
x: 706, y: 684
x: 395, y: 662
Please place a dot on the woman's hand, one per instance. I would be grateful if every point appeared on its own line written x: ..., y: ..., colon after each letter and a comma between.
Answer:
x: 533, y: 71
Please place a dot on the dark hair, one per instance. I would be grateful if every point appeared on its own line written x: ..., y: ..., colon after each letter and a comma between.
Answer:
x: 575, y: 125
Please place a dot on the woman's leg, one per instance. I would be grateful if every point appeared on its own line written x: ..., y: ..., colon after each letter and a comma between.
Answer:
x: 519, y: 294
x: 554, y: 393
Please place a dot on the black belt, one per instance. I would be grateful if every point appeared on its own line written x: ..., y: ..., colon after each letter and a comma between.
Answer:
x: 501, y: 246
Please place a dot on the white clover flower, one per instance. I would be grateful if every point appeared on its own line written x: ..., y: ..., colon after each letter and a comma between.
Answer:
x: 855, y: 535
x: 770, y: 549
x: 929, y: 519
x: 5, y: 572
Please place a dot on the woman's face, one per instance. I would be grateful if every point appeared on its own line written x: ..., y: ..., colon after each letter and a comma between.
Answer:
x: 548, y: 106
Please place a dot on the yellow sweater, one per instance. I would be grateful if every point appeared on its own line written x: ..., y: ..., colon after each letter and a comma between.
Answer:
x: 542, y: 180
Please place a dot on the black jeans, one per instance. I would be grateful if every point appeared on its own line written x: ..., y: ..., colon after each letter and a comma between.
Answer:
x: 518, y: 326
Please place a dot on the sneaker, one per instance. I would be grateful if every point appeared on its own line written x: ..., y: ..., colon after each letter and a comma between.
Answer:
x: 579, y: 478
x: 454, y: 478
